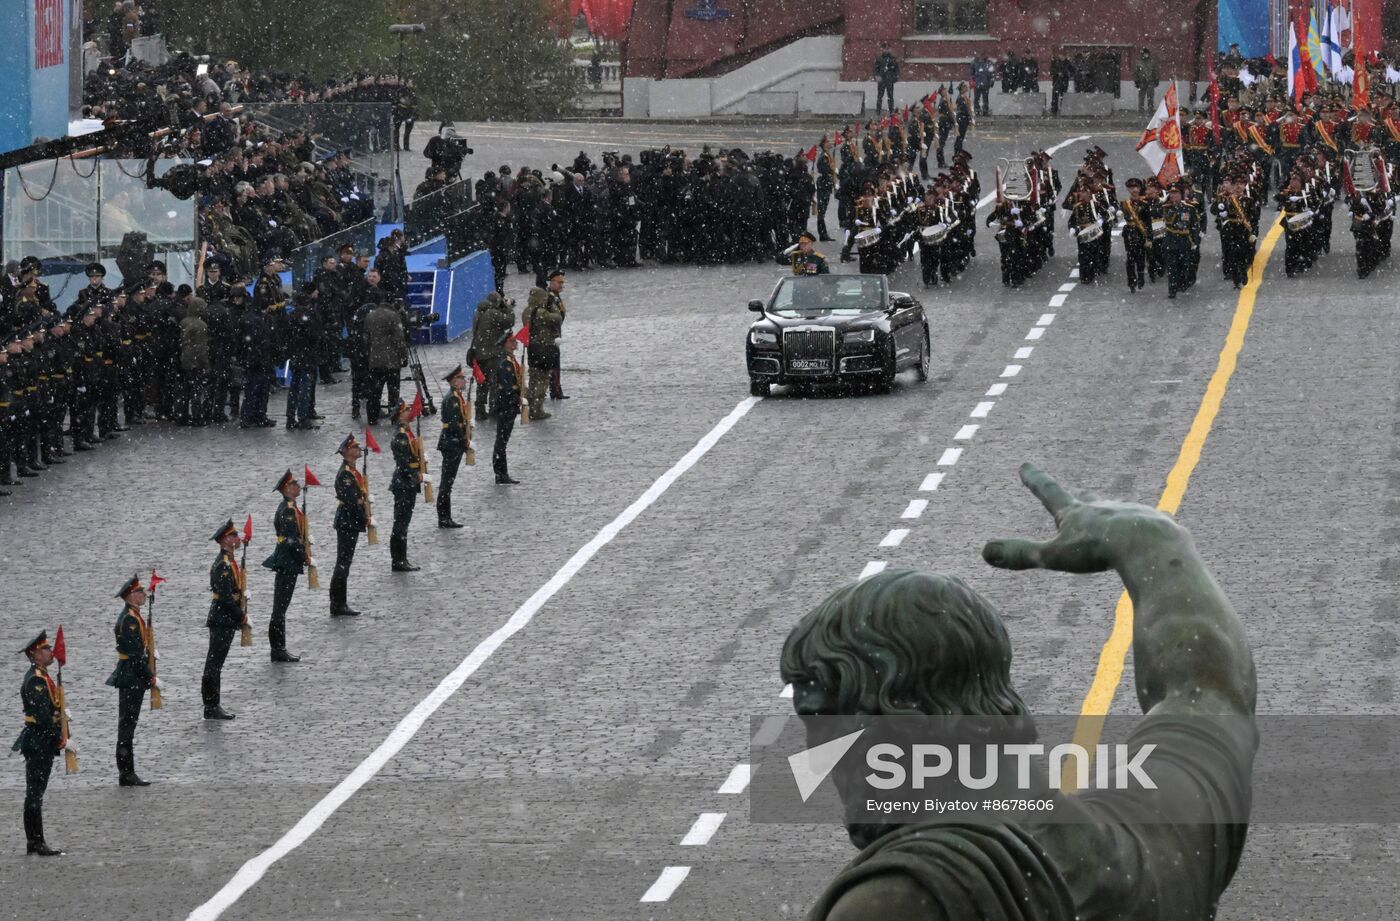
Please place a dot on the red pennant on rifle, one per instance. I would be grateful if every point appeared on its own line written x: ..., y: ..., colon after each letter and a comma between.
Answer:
x: 60, y: 649
x: 415, y: 409
x: 477, y: 374
x: 248, y: 530
x: 811, y: 154
x: 311, y: 478
x: 928, y: 103
x: 155, y: 580
x: 523, y: 337
x: 371, y: 443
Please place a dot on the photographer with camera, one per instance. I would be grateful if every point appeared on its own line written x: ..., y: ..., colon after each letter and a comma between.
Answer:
x: 446, y: 151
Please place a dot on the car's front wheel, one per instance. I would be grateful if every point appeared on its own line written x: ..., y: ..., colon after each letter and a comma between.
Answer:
x: 925, y: 359
x: 760, y: 388
x: 885, y: 382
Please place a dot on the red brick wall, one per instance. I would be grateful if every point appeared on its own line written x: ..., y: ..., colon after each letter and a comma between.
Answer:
x: 662, y: 45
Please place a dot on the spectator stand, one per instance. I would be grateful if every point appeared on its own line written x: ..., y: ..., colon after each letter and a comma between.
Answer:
x: 364, y: 129
x: 69, y: 212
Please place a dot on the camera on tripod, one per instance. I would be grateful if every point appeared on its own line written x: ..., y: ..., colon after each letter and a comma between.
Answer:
x: 456, y: 147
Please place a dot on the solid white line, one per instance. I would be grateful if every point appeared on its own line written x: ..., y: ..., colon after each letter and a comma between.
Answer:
x: 996, y: 390
x: 895, y: 537
x: 252, y: 871
x: 950, y: 457
x: 990, y: 196
x: 872, y: 568
x: 1045, y: 319
x: 1068, y: 286
x: 981, y: 409
x: 666, y: 884
x: 931, y: 482
x: 1011, y: 371
x: 703, y: 830
x: 1036, y: 332
x: 915, y: 508
x: 1074, y: 272
x: 786, y: 692
x: 1024, y: 351
x: 965, y: 433
x: 1058, y: 300
x: 738, y: 779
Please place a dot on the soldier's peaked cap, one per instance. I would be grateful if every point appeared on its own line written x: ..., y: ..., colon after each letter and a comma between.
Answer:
x: 807, y: 236
x: 455, y: 372
x: 286, y: 478
x: 398, y: 412
x: 95, y: 270
x: 38, y: 642
x: 224, y: 531
x: 344, y: 445
x: 131, y: 585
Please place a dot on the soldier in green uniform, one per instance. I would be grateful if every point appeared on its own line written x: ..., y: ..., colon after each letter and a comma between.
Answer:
x: 39, y: 741
x: 1182, y: 227
x: 351, y: 520
x: 227, y: 585
x: 406, y: 483
x: 452, y: 443
x: 494, y: 315
x: 805, y: 261
x: 544, y: 315
x: 131, y: 678
x: 288, y: 559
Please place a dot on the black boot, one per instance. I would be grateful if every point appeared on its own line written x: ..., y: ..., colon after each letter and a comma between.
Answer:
x: 398, y: 553
x: 126, y: 770
x: 282, y: 655
x: 217, y: 712
x: 34, y: 835
x: 338, y: 606
x: 444, y: 511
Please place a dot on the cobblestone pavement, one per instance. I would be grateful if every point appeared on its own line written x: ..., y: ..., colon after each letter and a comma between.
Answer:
x: 561, y: 778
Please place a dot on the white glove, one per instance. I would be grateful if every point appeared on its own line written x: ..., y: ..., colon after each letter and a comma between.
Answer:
x: 271, y: 222
x: 157, y: 653
x: 1019, y: 224
x: 160, y: 685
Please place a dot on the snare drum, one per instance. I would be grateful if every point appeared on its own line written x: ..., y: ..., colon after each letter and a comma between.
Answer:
x: 1159, y: 229
x: 867, y: 238
x: 935, y: 233
x: 1300, y: 221
x: 1091, y: 233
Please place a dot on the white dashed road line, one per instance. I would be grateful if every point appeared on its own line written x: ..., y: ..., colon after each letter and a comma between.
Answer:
x: 1036, y: 332
x: 950, y: 457
x: 666, y: 884
x: 895, y: 537
x: 930, y: 483
x: 737, y: 781
x: 965, y: 433
x: 996, y: 390
x: 873, y: 567
x: 981, y: 410
x: 703, y: 830
x: 915, y: 508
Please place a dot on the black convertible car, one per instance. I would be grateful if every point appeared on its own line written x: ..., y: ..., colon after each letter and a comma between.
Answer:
x: 830, y: 329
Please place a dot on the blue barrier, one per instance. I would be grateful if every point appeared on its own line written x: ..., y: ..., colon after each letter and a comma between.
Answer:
x: 456, y: 292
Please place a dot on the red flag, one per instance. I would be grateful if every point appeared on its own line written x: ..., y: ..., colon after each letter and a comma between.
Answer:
x: 415, y: 409
x: 523, y: 336
x: 477, y: 374
x: 60, y: 649
x: 311, y: 478
x: 928, y: 103
x: 248, y: 530
x: 155, y: 580
x: 811, y: 154
x: 371, y: 443
x: 1360, y: 80
x: 839, y: 139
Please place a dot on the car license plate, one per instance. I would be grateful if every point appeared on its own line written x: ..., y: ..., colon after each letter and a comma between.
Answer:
x: 809, y: 364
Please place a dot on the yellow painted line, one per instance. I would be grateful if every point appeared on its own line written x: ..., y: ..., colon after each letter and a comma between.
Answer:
x: 1115, y: 651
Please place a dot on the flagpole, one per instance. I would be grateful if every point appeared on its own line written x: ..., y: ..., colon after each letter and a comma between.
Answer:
x: 313, y: 579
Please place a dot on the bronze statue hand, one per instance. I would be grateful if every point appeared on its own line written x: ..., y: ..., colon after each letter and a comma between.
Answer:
x: 1093, y: 534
